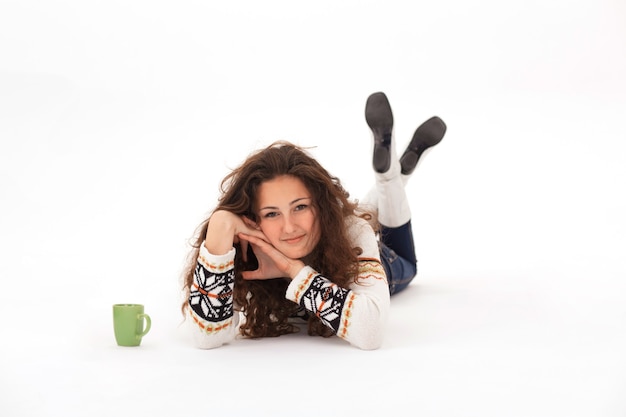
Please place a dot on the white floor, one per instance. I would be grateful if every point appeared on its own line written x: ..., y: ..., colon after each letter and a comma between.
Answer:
x: 118, y: 120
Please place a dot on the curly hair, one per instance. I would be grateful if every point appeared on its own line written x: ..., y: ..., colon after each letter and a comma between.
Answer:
x: 263, y: 302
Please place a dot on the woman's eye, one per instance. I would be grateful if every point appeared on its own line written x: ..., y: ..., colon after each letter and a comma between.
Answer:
x: 300, y: 207
x: 270, y: 214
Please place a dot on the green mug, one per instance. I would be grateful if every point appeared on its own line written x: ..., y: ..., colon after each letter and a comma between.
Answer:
x: 128, y: 322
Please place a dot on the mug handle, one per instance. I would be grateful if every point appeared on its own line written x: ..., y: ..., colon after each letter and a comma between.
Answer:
x: 148, y: 324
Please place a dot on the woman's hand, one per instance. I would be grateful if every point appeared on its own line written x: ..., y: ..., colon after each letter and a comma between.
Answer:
x: 223, y: 229
x: 272, y: 262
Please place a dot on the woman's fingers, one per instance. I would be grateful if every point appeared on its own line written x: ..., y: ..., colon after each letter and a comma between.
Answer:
x: 269, y: 259
x: 252, y: 239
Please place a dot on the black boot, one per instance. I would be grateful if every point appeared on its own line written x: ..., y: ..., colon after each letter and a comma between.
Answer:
x: 426, y: 135
x: 380, y: 119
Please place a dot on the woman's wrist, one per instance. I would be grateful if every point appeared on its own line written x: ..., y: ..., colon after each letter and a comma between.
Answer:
x: 295, y: 269
x: 220, y: 235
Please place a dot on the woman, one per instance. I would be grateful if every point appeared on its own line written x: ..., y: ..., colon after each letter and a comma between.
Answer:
x: 285, y: 242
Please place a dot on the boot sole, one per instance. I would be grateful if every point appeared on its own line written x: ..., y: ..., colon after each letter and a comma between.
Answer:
x: 428, y: 134
x: 379, y: 118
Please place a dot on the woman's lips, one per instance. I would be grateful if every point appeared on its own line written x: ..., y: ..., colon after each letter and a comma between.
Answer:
x: 294, y: 240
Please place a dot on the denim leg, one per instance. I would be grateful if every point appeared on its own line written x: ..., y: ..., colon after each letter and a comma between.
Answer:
x: 397, y: 253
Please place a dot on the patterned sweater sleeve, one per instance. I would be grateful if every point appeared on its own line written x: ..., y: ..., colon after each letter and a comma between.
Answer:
x: 357, y: 314
x: 210, y: 304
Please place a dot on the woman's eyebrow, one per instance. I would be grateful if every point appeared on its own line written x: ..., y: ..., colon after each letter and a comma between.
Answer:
x: 298, y: 200
x: 291, y: 204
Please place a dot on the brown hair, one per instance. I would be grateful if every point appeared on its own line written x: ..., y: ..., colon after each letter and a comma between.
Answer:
x: 263, y: 302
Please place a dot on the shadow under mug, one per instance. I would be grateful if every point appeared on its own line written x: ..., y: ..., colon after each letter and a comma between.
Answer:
x: 128, y: 324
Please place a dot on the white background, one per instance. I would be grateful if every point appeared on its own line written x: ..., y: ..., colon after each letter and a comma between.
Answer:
x: 118, y: 119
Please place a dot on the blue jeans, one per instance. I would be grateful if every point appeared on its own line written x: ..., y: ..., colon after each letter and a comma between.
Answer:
x: 397, y: 253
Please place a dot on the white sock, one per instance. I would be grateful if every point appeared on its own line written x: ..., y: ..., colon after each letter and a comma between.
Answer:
x: 388, y: 197
x: 392, y: 203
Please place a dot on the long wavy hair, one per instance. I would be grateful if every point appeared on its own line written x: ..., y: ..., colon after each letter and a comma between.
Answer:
x: 263, y: 302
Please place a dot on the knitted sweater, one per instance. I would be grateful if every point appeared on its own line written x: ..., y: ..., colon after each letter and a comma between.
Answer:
x: 356, y: 314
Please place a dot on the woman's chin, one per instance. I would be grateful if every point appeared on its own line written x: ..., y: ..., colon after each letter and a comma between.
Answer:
x: 295, y: 253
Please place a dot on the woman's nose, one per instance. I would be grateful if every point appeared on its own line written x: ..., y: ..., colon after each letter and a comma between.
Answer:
x: 288, y: 224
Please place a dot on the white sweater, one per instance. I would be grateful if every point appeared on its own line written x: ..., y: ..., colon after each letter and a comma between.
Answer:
x: 356, y: 314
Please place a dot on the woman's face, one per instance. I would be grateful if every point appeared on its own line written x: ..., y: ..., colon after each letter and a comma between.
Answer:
x: 287, y: 216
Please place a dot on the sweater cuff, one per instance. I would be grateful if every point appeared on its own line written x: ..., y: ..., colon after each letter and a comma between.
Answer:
x: 215, y: 262
x: 300, y: 283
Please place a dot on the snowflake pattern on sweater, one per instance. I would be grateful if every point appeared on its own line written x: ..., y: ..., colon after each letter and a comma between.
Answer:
x: 211, y: 295
x: 325, y: 300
